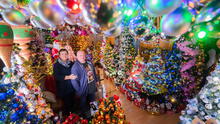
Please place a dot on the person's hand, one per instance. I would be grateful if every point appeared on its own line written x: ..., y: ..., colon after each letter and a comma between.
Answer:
x: 72, y: 77
x: 89, y: 73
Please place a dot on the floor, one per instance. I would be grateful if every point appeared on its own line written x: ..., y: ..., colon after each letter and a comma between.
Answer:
x: 134, y: 114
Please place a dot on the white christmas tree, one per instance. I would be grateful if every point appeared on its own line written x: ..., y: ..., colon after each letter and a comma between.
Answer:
x: 205, y: 107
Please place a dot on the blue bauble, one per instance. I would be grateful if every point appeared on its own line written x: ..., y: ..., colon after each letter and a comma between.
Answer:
x: 14, y: 117
x: 3, y: 96
x: 177, y: 22
x: 140, y: 26
x: 3, y: 115
x: 15, y: 105
x: 21, y: 111
x: 30, y: 117
x: 10, y: 92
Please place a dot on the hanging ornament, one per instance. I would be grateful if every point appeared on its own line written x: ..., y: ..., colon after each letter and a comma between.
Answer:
x: 6, y: 43
x: 13, y: 16
x: 22, y: 36
x: 161, y: 7
x: 140, y: 26
x: 72, y: 6
x: 50, y: 13
x: 102, y: 13
x: 177, y: 22
x: 38, y: 23
x: 211, y: 10
x: 33, y: 6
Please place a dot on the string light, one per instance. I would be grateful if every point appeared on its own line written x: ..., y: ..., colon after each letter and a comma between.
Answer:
x: 201, y: 34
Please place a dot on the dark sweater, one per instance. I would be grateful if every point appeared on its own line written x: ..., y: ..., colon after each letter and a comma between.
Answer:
x: 64, y: 87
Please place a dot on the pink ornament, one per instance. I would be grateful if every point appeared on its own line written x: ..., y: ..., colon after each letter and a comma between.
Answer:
x: 54, y: 33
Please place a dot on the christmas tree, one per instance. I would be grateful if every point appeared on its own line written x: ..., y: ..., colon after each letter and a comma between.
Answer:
x: 126, y: 56
x: 172, y: 72
x: 136, y: 78
x: 108, y: 60
x: 133, y: 85
x: 206, y: 105
x: 192, y: 67
x: 110, y: 112
x: 115, y: 61
x: 13, y: 107
x: 29, y: 89
x: 155, y: 75
x: 96, y: 51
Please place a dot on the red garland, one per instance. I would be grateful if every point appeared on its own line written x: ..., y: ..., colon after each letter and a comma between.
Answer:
x: 130, y: 88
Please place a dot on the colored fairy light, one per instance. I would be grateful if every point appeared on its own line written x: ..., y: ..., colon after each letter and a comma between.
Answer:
x: 201, y: 34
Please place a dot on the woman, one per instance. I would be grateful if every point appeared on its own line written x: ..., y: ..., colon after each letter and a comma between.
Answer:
x: 63, y: 77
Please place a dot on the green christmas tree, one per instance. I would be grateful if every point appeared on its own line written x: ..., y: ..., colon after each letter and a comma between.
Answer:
x: 155, y: 75
x: 126, y: 56
x: 206, y: 105
x: 108, y: 60
x: 115, y: 62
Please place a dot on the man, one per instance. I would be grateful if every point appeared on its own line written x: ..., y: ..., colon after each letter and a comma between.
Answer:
x: 85, y: 83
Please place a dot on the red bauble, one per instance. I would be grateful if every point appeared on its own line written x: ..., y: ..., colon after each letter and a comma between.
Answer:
x: 116, y: 98
x: 84, y: 121
x: 74, y: 6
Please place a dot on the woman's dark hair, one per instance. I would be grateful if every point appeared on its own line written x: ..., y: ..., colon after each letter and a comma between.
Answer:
x: 62, y: 50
